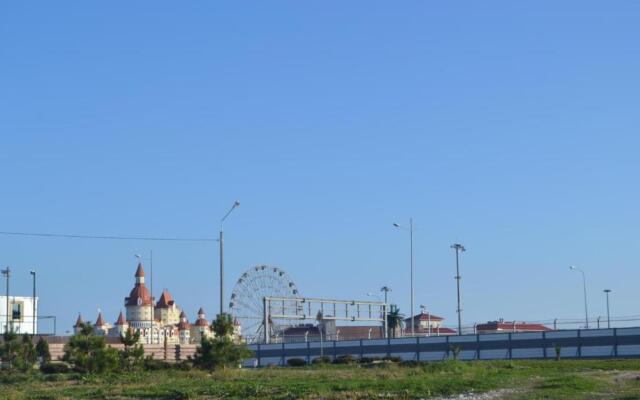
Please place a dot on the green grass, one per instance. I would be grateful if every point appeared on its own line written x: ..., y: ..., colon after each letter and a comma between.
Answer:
x: 585, y: 379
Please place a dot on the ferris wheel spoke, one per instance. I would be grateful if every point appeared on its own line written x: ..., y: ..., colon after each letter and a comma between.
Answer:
x: 247, y: 299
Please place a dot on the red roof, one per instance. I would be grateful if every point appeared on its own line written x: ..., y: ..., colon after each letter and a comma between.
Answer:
x: 141, y: 292
x: 512, y: 326
x: 425, y: 317
x: 184, y: 323
x: 121, y: 321
x: 100, y: 320
x: 79, y: 321
x: 166, y: 300
x: 139, y: 271
x: 435, y: 330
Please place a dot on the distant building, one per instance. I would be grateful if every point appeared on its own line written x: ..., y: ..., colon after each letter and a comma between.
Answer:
x: 502, y: 326
x: 20, y: 318
x: 426, y: 324
x: 169, y: 323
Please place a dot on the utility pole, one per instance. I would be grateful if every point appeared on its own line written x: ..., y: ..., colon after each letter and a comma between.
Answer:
x: 7, y: 273
x: 33, y: 314
x: 607, y: 291
x: 221, y: 241
x: 458, y: 248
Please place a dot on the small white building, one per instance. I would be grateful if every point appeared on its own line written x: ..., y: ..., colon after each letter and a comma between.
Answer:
x: 21, y: 314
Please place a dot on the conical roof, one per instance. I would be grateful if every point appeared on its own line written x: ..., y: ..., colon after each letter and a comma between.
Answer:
x: 121, y: 321
x: 79, y: 321
x: 100, y: 320
x: 139, y: 271
x: 166, y: 300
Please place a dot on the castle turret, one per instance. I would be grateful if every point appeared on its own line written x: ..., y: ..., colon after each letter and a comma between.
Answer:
x: 201, y: 327
x: 184, y: 328
x: 121, y: 325
x: 139, y: 302
x: 78, y: 325
x: 101, y: 327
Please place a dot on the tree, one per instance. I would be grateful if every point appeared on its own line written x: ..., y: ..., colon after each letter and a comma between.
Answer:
x: 90, y: 353
x: 220, y: 351
x: 132, y: 355
x: 42, y: 350
x: 18, y: 353
x: 395, y: 320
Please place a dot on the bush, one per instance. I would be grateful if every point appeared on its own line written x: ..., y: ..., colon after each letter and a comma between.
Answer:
x: 54, y: 368
x: 345, y: 359
x: 42, y: 350
x: 321, y: 360
x: 221, y: 351
x: 89, y: 353
x: 18, y: 353
x: 151, y: 364
x: 369, y: 360
x: 296, y: 362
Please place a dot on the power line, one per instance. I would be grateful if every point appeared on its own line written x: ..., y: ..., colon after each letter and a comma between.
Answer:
x: 76, y: 236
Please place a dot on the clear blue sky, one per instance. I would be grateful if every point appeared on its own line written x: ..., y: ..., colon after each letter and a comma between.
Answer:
x: 511, y: 127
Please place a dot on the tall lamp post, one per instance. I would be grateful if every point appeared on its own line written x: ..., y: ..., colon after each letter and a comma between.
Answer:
x: 607, y: 291
x: 221, y: 241
x: 7, y: 274
x: 410, y: 229
x: 584, y: 287
x: 385, y: 289
x: 458, y: 248
x: 33, y: 311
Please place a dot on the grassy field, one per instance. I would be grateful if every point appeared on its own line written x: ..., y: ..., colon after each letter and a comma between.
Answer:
x: 585, y: 379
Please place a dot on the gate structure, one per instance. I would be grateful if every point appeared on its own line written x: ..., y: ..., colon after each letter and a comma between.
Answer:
x: 305, y: 308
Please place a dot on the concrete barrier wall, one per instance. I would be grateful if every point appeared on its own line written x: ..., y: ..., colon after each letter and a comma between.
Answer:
x: 590, y: 343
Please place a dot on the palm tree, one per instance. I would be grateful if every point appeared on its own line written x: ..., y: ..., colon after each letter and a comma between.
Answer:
x: 395, y: 319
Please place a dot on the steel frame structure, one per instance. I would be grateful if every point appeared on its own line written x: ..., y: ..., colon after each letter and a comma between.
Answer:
x: 305, y: 308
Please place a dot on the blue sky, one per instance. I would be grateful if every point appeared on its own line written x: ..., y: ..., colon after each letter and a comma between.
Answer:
x: 511, y: 127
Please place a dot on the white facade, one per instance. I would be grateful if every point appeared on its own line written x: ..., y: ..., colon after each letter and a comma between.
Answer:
x: 21, y: 317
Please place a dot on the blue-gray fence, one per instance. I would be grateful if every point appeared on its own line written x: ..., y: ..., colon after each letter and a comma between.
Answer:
x: 586, y: 343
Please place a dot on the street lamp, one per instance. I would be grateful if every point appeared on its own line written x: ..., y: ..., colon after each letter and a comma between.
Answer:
x: 584, y: 287
x: 221, y: 240
x: 7, y: 274
x: 607, y: 291
x: 458, y: 248
x: 385, y: 289
x: 33, y: 311
x: 410, y: 229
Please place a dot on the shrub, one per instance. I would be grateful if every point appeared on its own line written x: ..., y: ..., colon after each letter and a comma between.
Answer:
x: 54, y: 368
x: 89, y: 353
x: 345, y: 359
x: 42, y: 350
x: 151, y: 364
x: 18, y: 353
x: 369, y: 360
x: 296, y: 362
x: 132, y: 356
x: 321, y: 360
x: 221, y: 351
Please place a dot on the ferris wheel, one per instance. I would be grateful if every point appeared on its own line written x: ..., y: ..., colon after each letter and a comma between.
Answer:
x: 247, y: 299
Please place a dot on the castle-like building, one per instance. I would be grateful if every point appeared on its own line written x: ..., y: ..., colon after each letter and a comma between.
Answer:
x: 169, y: 323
